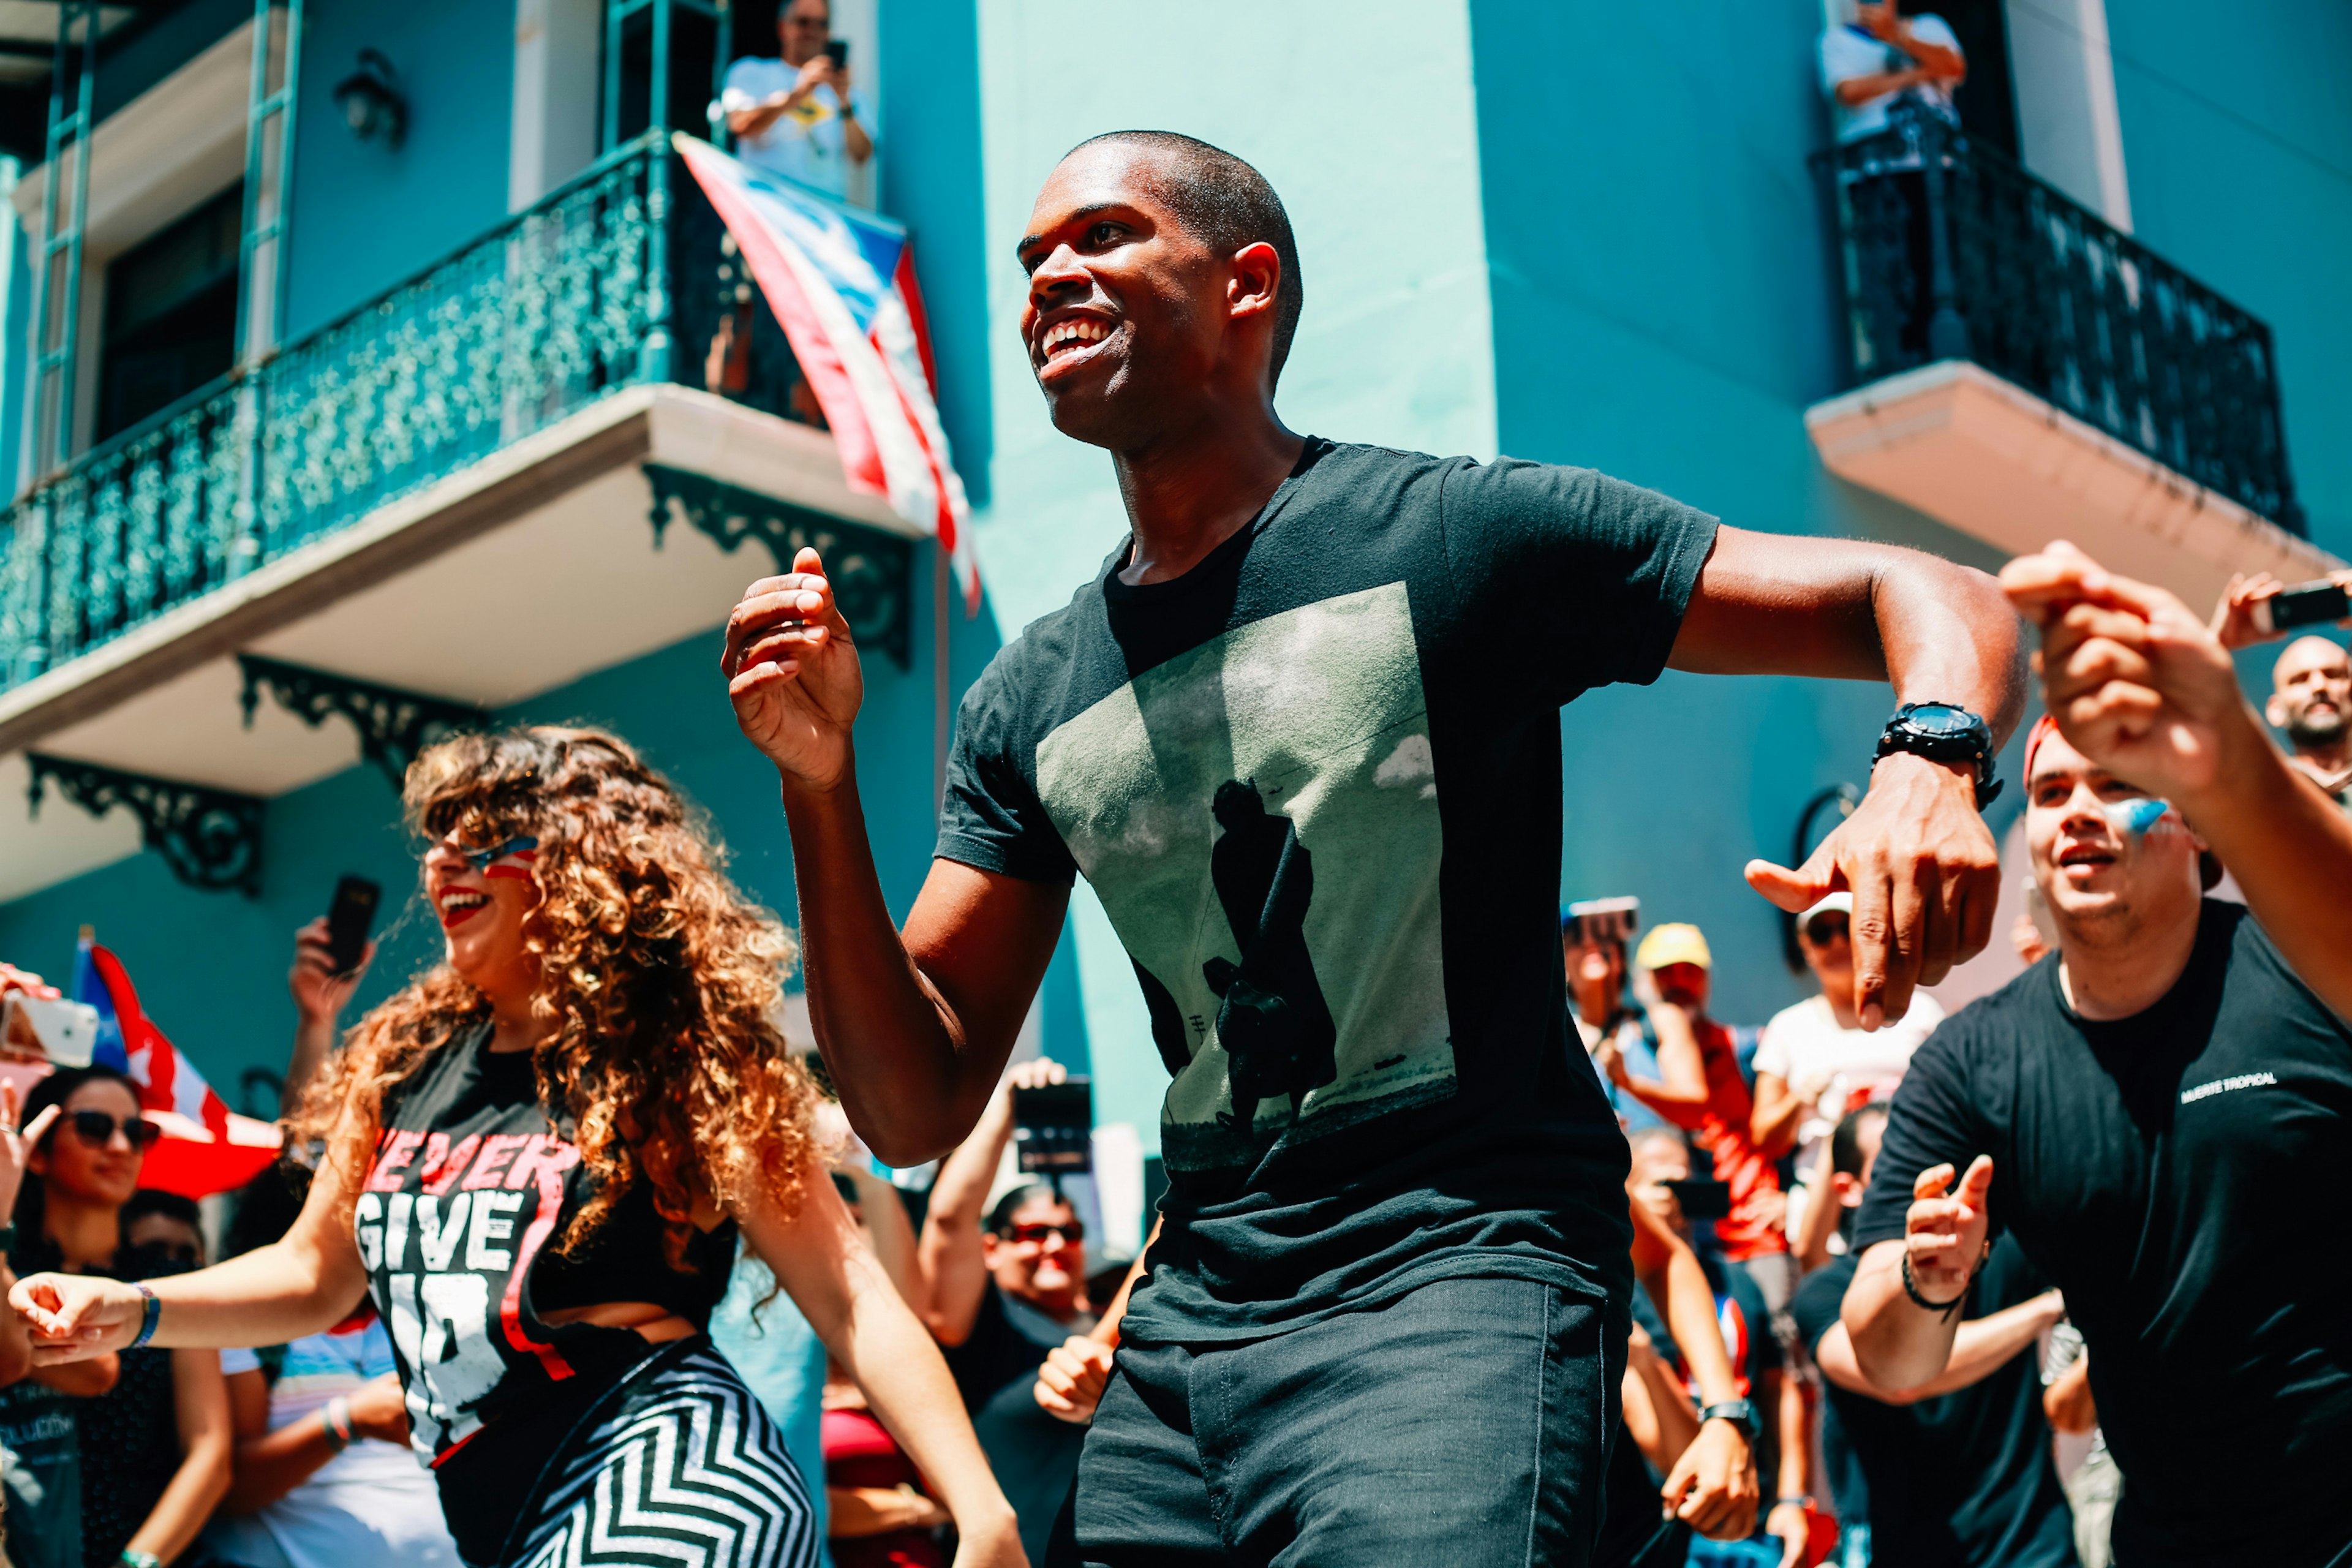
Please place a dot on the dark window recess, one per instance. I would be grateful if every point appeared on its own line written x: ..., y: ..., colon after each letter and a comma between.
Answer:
x: 171, y: 314
x: 1986, y: 102
x: 693, y: 41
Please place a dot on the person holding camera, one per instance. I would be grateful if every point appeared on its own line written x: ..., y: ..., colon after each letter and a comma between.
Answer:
x: 2311, y: 684
x: 796, y: 116
x: 1005, y: 1289
x: 2131, y: 1108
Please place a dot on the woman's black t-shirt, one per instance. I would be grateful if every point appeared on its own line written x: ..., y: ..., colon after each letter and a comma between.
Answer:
x: 458, y: 1224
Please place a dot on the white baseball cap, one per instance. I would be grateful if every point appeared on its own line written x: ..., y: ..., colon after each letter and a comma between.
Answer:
x: 1840, y: 902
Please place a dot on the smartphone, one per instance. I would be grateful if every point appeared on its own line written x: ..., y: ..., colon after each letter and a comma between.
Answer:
x: 1702, y: 1198
x: 2305, y: 604
x: 35, y: 1028
x: 349, y: 920
x: 837, y: 51
x: 1053, y: 1127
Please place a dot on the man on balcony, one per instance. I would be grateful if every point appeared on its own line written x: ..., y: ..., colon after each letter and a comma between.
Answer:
x: 1880, y: 58
x: 796, y: 116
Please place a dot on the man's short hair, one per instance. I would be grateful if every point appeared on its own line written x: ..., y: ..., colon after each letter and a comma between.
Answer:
x: 1845, y: 1143
x: 1226, y: 204
x: 1000, y: 1214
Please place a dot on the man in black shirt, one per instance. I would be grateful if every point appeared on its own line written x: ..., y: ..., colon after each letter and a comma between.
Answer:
x: 1365, y: 651
x: 1003, y: 1290
x: 2134, y: 1109
x: 1957, y: 1474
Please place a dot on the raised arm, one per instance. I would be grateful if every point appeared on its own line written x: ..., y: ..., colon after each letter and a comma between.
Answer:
x: 1920, y: 861
x: 915, y: 1029
x: 2145, y: 689
x: 948, y: 1256
x: 814, y: 1250
x: 1902, y: 1312
x: 320, y: 997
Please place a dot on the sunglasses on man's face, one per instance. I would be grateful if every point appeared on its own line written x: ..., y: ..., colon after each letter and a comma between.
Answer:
x: 1824, y: 930
x: 1039, y: 1235
x: 96, y: 1128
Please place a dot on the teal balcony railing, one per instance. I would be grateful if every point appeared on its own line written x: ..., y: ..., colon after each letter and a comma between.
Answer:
x: 559, y: 306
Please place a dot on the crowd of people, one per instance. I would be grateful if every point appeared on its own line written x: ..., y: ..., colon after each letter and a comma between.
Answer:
x: 567, y: 1217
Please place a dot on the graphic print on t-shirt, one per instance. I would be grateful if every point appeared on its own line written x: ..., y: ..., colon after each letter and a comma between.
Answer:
x: 1259, y: 815
x: 456, y: 1250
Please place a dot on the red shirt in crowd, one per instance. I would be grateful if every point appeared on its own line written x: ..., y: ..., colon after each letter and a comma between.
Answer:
x: 1750, y: 1229
x: 859, y: 1453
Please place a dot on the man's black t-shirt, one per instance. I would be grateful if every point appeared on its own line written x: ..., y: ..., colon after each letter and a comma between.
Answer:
x: 1316, y: 782
x: 1960, y: 1481
x: 2163, y: 1170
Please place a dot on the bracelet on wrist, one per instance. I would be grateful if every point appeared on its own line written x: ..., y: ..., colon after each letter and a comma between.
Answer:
x: 336, y: 1418
x: 130, y: 1559
x: 1941, y: 1309
x: 149, y: 1318
x: 1803, y: 1503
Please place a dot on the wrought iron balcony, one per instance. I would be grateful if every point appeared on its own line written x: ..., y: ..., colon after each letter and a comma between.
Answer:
x: 557, y: 308
x: 1950, y: 251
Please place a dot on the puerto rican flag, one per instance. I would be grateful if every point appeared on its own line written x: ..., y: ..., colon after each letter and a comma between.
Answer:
x: 206, y: 1149
x: 842, y: 284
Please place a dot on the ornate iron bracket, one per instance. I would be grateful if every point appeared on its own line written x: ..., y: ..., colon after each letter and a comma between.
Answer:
x: 871, y: 570
x: 210, y: 837
x: 393, y: 726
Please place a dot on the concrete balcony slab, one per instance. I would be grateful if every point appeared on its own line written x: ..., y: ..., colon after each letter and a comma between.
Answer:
x: 1983, y: 455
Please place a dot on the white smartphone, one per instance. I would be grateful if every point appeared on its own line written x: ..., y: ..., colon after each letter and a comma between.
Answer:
x: 50, y: 1029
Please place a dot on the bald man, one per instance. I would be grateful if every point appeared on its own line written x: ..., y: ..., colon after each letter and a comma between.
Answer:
x: 2311, y: 699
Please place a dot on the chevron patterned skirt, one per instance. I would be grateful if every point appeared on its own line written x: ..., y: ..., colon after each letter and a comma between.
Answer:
x: 677, y: 1466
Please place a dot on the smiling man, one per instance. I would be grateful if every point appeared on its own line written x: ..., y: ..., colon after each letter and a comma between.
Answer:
x: 2138, y: 1110
x: 1301, y: 734
x: 2311, y: 699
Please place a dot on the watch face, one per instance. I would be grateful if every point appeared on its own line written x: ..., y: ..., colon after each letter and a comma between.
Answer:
x: 1936, y: 719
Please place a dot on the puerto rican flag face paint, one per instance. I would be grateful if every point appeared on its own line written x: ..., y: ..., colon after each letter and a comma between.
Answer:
x: 512, y: 858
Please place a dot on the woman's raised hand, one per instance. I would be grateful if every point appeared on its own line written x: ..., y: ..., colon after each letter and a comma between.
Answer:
x: 792, y: 674
x: 73, y: 1317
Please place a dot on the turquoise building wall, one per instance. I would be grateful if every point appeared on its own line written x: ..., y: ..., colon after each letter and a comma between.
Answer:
x: 2238, y: 139
x: 1580, y: 233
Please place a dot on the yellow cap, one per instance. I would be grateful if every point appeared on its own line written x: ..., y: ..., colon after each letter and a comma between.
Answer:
x: 1674, y: 944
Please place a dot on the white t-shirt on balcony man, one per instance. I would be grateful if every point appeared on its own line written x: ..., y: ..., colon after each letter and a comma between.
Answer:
x: 810, y: 144
x: 1851, y: 51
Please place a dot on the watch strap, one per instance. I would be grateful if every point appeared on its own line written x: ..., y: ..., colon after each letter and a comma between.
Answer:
x: 1740, y: 1413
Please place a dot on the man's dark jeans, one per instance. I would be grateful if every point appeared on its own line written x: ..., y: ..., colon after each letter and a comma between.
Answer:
x: 1466, y: 1423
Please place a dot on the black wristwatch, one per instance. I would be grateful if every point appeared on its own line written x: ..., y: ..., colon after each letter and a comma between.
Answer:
x: 1942, y: 733
x: 1740, y: 1413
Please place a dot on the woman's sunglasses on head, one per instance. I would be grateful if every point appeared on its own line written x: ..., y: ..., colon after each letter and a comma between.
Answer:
x: 96, y: 1128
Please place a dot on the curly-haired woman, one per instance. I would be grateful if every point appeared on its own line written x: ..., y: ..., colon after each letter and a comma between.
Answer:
x: 538, y: 1157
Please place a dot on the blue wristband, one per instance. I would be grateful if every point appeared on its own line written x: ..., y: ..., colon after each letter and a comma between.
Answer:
x: 154, y: 1315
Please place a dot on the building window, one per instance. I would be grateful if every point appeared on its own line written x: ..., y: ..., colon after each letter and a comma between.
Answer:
x: 171, y: 314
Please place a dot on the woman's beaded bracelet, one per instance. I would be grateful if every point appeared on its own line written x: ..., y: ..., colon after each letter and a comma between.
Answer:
x: 152, y: 1316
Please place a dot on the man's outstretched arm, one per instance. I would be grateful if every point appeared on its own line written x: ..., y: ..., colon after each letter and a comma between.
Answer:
x: 915, y: 1029
x: 1920, y: 861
